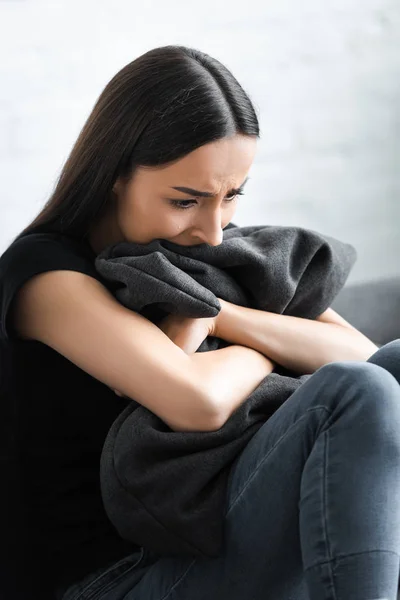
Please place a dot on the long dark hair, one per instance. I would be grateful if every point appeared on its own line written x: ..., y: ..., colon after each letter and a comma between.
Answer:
x: 156, y: 109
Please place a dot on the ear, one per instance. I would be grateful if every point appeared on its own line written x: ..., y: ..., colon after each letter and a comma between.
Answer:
x: 117, y: 186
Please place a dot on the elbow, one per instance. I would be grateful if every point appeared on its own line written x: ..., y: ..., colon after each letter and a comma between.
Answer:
x: 212, y: 417
x: 201, y: 416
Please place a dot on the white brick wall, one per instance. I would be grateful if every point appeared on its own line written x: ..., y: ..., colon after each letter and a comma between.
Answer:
x: 325, y: 78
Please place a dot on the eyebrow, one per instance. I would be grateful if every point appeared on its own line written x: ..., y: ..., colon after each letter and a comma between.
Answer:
x: 193, y: 192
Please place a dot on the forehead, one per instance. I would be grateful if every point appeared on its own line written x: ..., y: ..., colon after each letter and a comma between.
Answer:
x: 221, y: 163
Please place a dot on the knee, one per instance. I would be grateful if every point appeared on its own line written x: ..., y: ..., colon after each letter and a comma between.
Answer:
x: 366, y: 382
x: 388, y: 356
x: 360, y: 374
x: 393, y: 345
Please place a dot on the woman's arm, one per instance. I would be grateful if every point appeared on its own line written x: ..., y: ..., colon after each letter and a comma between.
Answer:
x: 301, y: 345
x: 228, y: 375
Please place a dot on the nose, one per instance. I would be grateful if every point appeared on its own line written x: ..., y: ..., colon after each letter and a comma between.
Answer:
x: 210, y: 231
x: 214, y: 238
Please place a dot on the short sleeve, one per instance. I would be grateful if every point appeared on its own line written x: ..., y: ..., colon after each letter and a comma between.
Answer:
x: 30, y: 255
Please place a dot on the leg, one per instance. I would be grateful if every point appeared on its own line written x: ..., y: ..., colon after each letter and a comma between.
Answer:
x: 312, y: 508
x: 388, y: 357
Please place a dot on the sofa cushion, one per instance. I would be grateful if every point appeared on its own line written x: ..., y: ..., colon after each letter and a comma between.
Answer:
x: 373, y: 307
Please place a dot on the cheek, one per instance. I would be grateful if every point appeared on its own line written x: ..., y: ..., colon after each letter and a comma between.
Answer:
x: 173, y: 225
x: 174, y: 218
x: 139, y: 215
x: 163, y: 221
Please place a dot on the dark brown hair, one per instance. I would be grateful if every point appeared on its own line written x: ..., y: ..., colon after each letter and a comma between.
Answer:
x: 156, y: 109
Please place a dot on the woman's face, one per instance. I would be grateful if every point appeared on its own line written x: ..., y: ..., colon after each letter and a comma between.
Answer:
x: 147, y: 207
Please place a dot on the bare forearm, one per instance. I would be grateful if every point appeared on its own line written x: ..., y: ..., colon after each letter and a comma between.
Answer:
x: 301, y: 345
x: 229, y: 375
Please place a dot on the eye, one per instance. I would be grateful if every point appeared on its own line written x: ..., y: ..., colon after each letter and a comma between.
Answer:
x: 181, y: 204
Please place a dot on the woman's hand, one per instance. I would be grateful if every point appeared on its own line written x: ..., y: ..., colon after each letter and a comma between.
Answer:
x: 187, y: 333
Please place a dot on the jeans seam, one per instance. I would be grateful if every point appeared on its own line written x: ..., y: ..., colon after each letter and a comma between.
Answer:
x: 178, y: 580
x: 340, y: 556
x: 90, y: 594
x: 87, y: 592
x: 325, y: 511
x: 252, y: 475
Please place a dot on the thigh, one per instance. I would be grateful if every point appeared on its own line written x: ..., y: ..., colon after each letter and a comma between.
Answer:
x: 261, y: 556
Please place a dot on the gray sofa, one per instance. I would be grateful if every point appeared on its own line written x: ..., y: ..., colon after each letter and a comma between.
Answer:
x: 372, y: 307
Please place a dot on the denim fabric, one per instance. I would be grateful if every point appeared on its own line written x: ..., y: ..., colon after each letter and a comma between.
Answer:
x: 313, y: 503
x: 96, y: 584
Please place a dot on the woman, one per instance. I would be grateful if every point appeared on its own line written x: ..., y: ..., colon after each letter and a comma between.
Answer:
x: 312, y: 505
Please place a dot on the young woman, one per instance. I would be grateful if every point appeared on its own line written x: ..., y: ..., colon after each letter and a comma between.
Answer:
x: 313, y: 502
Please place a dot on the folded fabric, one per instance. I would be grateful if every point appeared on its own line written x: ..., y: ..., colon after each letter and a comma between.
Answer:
x: 166, y: 490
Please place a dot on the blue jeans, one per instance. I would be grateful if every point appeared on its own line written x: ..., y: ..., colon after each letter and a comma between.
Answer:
x: 312, y: 508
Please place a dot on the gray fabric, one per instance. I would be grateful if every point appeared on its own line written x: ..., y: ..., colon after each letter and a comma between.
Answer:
x: 373, y: 307
x: 163, y: 489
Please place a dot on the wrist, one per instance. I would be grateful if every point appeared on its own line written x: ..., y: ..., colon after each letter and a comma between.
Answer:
x: 232, y: 324
x: 222, y: 320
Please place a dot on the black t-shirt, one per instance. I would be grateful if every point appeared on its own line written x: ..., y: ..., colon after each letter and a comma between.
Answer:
x: 54, y: 420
